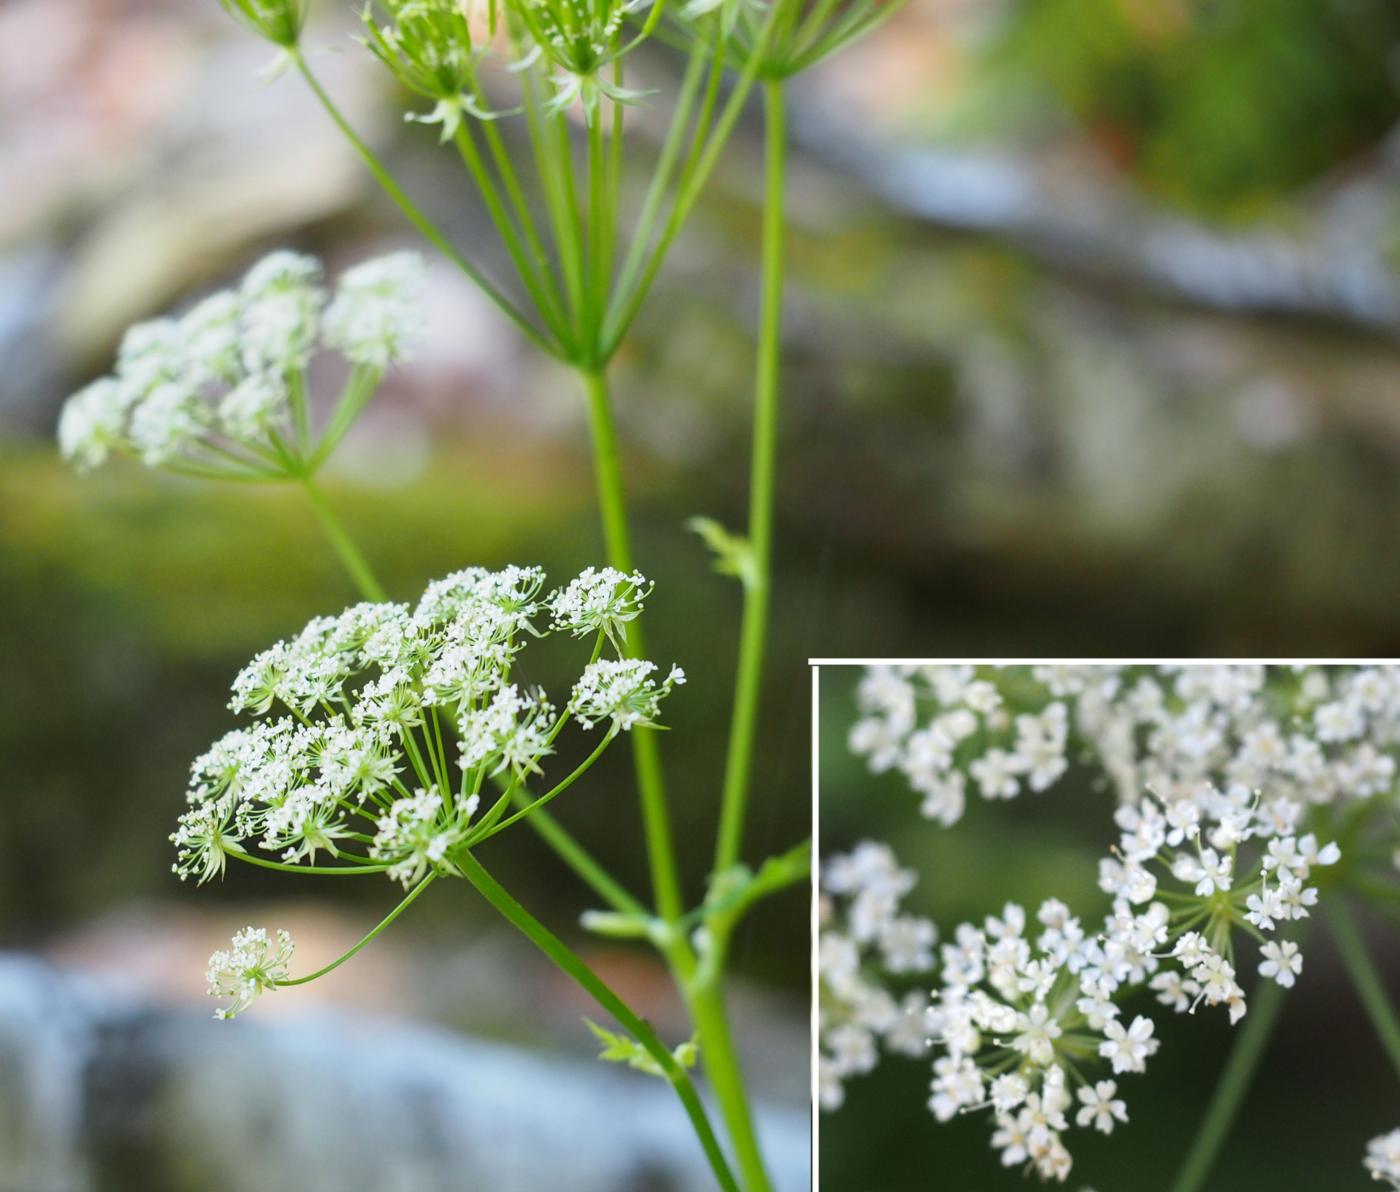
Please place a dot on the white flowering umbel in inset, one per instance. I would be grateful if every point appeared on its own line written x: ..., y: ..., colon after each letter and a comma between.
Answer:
x: 863, y: 933
x: 1237, y: 788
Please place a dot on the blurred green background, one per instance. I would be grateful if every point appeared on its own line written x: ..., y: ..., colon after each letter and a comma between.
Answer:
x: 1323, y: 1091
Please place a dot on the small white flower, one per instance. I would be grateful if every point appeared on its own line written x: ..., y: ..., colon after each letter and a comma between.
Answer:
x: 1282, y: 962
x: 1038, y: 1032
x: 996, y: 774
x: 1383, y: 1158
x: 1127, y: 1049
x: 1100, y: 1108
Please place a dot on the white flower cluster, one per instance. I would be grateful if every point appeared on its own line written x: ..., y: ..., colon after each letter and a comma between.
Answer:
x: 1307, y: 736
x: 1022, y: 1008
x: 435, y: 48
x: 1221, y: 773
x: 969, y: 733
x: 251, y: 964
x: 1383, y: 1158
x: 221, y: 385
x: 863, y: 932
x: 623, y: 691
x: 378, y: 700
x: 600, y: 600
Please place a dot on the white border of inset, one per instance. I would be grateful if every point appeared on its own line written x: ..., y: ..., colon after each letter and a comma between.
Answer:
x: 816, y: 664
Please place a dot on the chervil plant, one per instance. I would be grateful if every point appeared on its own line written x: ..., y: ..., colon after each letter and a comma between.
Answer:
x: 1247, y: 798
x: 394, y: 740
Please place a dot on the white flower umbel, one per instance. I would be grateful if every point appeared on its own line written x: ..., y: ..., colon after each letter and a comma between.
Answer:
x: 418, y: 833
x: 377, y: 315
x: 1018, y: 1009
x: 865, y: 939
x: 1248, y: 879
x: 944, y: 726
x: 393, y: 721
x: 622, y: 690
x: 1036, y: 1008
x: 251, y: 963
x: 222, y: 392
x: 600, y: 600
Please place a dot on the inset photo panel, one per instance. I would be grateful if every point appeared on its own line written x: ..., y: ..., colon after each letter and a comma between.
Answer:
x: 1128, y: 927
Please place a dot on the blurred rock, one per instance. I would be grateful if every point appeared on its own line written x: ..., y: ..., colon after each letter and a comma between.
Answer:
x: 98, y: 1090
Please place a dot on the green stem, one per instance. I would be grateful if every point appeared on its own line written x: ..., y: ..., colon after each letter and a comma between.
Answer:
x: 753, y: 634
x: 527, y: 809
x: 525, y: 264
x: 1364, y: 976
x: 1234, y: 1082
x: 383, y: 923
x: 344, y: 545
x: 317, y: 870
x: 721, y: 1061
x: 580, y: 860
x: 612, y: 505
x: 429, y: 230
x: 592, y: 984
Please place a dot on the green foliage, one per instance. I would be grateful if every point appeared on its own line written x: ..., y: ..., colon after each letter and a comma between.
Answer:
x: 733, y: 552
x: 623, y: 1049
x: 1219, y: 106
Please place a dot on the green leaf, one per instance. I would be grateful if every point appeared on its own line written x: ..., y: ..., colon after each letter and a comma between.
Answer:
x: 732, y: 891
x: 623, y: 1049
x: 733, y: 553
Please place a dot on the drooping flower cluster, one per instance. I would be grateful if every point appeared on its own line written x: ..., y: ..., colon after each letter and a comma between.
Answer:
x: 251, y: 964
x: 392, y: 721
x: 864, y: 938
x: 221, y: 390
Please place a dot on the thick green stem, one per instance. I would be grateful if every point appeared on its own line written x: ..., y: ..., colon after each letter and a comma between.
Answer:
x: 617, y: 539
x: 1364, y: 976
x: 344, y: 545
x: 753, y: 634
x: 722, y: 1067
x: 1234, y: 1082
x: 592, y: 984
